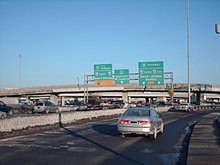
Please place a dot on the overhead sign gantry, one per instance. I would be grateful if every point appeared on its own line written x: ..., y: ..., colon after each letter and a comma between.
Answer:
x: 150, y: 74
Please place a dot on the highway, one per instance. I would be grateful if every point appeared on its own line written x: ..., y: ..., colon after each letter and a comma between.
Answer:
x: 97, y: 142
x: 128, y: 93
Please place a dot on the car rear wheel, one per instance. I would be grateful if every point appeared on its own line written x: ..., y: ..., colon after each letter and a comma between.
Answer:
x: 121, y: 134
x: 10, y: 112
x: 46, y: 111
x: 155, y: 133
x: 161, y: 128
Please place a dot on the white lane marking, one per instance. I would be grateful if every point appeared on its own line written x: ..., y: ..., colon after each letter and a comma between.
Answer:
x: 147, y: 151
x: 82, y: 149
x: 71, y: 143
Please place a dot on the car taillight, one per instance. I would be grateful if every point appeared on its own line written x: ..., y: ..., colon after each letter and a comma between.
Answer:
x: 124, y: 121
x: 144, y: 122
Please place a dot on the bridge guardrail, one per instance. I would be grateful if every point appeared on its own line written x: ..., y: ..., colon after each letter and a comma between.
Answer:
x: 206, y: 107
x: 203, y: 107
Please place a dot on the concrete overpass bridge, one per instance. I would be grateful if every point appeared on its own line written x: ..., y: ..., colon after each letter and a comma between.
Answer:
x: 128, y: 93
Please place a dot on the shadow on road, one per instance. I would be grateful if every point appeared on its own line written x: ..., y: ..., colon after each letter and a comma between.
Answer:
x: 216, y: 126
x: 76, y: 135
x: 106, y: 129
x: 172, y: 109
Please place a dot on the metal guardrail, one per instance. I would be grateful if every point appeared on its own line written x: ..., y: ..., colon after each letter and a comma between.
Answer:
x: 204, y: 107
x: 207, y: 107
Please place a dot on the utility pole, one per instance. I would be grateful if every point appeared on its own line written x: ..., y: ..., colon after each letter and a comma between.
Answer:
x: 78, y: 83
x: 20, y: 57
x: 188, y: 49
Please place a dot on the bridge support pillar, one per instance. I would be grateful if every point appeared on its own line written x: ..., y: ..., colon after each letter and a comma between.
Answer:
x: 149, y: 99
x: 54, y: 99
x: 28, y: 100
x: 125, y: 96
x: 62, y: 100
x: 199, y: 98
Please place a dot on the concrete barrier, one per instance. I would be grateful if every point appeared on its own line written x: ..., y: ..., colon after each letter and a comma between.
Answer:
x: 19, y: 123
x: 206, y: 107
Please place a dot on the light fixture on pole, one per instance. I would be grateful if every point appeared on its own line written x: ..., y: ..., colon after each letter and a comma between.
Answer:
x: 217, y: 28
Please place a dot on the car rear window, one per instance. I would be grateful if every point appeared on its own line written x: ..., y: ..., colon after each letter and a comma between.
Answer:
x: 184, y: 104
x: 137, y: 113
x: 39, y: 104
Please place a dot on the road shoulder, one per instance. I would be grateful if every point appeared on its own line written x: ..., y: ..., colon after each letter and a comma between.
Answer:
x: 204, y: 146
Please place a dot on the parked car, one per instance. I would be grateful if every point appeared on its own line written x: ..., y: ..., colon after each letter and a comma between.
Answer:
x: 93, y: 107
x: 140, y: 120
x: 185, y: 107
x: 107, y: 105
x: 139, y: 104
x: 82, y: 107
x: 118, y: 103
x: 25, y: 107
x: 159, y: 103
x: 5, y: 108
x: 132, y: 105
x: 3, y: 114
x: 72, y: 103
x: 88, y: 107
x: 45, y: 107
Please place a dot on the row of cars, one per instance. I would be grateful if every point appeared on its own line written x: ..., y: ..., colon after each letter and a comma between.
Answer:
x: 47, y: 107
x: 114, y: 104
x: 38, y: 107
x: 79, y: 106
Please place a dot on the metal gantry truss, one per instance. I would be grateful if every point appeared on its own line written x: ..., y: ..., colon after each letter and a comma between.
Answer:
x: 132, y: 76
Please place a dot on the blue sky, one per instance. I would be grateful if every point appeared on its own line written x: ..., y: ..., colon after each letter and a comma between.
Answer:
x: 61, y: 40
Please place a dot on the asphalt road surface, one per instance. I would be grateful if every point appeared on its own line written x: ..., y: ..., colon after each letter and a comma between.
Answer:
x: 98, y: 143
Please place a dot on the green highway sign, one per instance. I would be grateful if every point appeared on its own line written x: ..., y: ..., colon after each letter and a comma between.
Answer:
x: 121, y: 76
x: 151, y: 73
x: 103, y: 72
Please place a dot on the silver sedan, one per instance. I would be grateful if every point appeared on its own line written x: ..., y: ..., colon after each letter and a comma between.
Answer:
x: 144, y: 121
x: 185, y: 107
x: 45, y: 106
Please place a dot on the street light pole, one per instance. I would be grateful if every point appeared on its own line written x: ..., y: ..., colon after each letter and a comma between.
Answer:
x: 20, y: 57
x: 188, y: 49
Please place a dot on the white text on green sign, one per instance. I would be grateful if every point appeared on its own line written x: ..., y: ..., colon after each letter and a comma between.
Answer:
x: 121, y: 76
x: 103, y: 72
x: 151, y: 73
